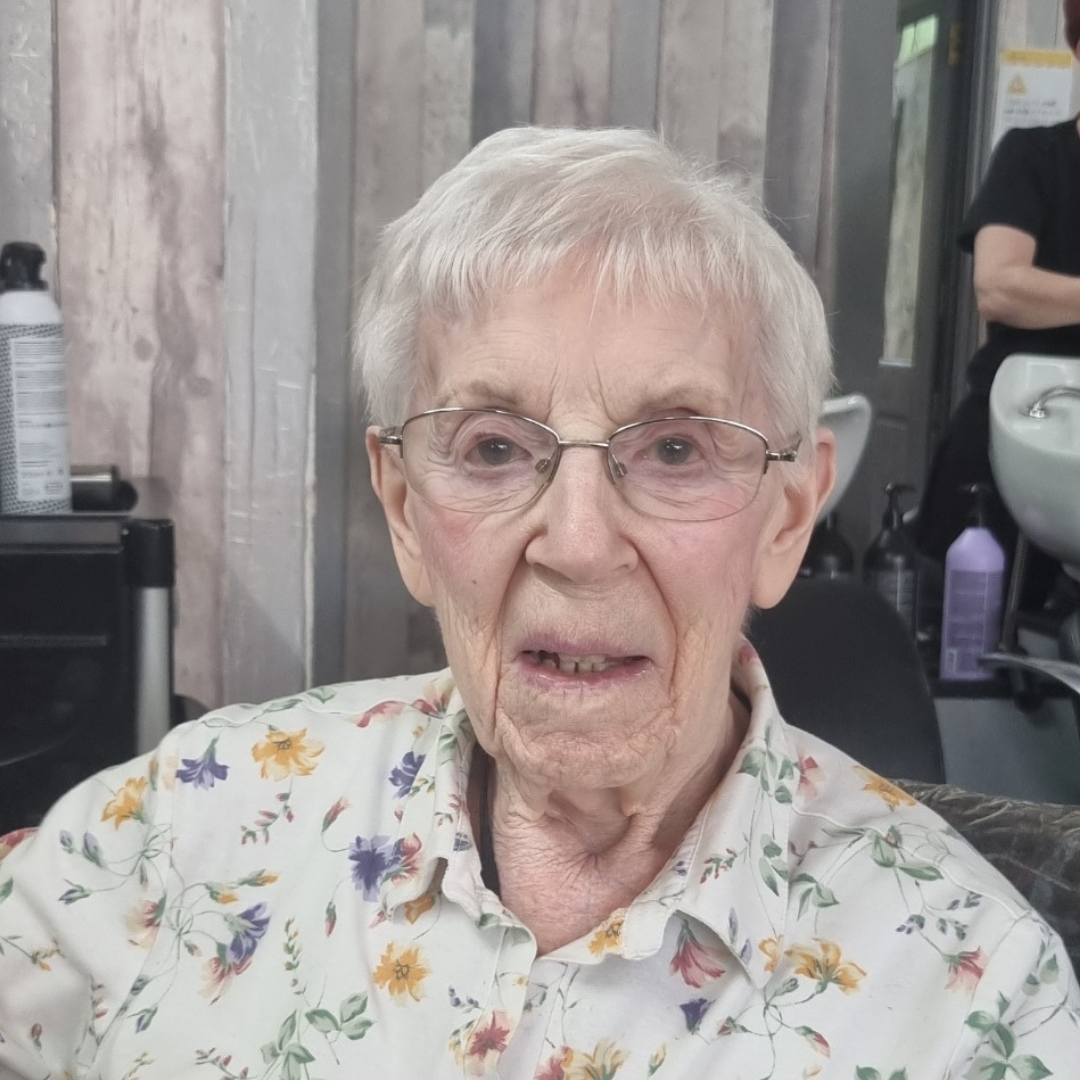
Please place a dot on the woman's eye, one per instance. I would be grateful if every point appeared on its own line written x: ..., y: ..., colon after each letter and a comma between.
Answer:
x: 673, y: 451
x: 496, y: 451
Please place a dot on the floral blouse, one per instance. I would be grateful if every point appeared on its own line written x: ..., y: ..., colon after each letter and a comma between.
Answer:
x: 293, y: 891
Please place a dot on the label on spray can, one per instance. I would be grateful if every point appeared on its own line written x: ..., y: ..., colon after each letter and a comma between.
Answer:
x: 34, y: 472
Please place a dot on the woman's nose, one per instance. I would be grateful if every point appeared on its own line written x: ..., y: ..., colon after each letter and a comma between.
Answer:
x: 581, y: 521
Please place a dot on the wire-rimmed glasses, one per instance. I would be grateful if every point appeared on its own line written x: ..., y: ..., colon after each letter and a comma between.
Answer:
x: 487, y: 461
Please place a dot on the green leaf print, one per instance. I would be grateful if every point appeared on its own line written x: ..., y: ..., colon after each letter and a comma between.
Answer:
x: 321, y: 693
x: 353, y: 1006
x: 883, y: 853
x: 981, y: 1021
x: 5, y: 889
x: 282, y: 706
x: 323, y: 1020
x: 753, y: 762
x: 767, y: 876
x: 286, y: 1031
x: 1029, y: 1067
x: 1002, y: 1040
x: 922, y: 871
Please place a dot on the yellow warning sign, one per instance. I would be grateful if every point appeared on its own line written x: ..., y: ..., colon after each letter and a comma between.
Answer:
x: 1016, y: 86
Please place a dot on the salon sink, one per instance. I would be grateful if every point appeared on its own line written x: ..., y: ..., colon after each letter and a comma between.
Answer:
x: 848, y: 417
x: 1035, y: 450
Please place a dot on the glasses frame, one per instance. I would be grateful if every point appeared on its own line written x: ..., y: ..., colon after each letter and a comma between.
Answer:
x: 395, y: 436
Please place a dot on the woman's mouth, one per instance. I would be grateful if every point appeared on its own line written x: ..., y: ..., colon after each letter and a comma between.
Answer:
x: 593, y: 664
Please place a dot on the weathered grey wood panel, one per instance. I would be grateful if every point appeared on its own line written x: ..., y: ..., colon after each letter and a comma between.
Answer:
x: 702, y: 69
x: 503, y: 79
x: 26, y: 126
x: 334, y: 313
x: 747, y: 34
x: 795, y: 130
x: 572, y: 80
x: 448, y: 67
x: 141, y: 187
x: 391, y: 39
x: 635, y: 62
x: 691, y: 58
x: 271, y: 198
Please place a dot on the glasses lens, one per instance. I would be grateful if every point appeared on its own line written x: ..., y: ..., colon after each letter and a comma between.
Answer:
x: 477, y: 461
x: 689, y: 469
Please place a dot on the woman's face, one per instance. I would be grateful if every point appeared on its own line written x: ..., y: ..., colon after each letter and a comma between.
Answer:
x: 651, y: 608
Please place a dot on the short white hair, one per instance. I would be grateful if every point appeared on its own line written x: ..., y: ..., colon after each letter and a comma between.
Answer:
x: 623, y: 208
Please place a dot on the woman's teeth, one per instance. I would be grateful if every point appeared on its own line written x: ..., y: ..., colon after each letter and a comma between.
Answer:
x: 576, y: 665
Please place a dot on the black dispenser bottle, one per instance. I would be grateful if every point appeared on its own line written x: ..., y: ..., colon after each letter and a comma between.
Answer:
x: 891, y: 563
x: 828, y: 555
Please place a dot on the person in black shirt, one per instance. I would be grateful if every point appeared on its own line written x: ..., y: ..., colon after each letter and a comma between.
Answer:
x: 1024, y: 230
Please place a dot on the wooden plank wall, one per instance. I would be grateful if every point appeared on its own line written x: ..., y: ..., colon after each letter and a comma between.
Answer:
x: 271, y: 156
x: 26, y: 126
x: 219, y: 174
x: 139, y: 196
x: 435, y: 76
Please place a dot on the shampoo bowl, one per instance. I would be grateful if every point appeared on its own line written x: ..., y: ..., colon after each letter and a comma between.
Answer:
x: 848, y: 418
x: 1035, y: 450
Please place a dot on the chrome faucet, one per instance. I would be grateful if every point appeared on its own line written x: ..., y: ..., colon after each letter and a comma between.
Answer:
x: 1037, y: 409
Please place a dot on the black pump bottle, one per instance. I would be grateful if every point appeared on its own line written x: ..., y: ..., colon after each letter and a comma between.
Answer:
x: 891, y: 563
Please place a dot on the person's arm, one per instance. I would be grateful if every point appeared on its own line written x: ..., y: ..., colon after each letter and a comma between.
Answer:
x: 1010, y: 289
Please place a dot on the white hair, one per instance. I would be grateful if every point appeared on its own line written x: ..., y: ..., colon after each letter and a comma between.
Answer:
x: 621, y: 207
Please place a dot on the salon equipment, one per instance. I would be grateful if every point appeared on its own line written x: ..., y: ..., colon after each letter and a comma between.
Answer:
x: 1035, y: 450
x: 848, y: 418
x: 843, y: 666
x: 974, y: 591
x: 85, y: 646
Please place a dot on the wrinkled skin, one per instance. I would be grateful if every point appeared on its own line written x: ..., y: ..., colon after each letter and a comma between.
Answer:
x: 598, y: 775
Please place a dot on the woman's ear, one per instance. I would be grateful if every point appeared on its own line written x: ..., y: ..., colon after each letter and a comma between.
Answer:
x: 788, y: 529
x: 388, y: 480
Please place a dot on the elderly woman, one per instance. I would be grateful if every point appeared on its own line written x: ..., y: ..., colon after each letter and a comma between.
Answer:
x: 591, y: 848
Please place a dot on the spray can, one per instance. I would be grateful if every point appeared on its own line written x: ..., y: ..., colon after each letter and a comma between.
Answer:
x: 974, y: 589
x: 35, y: 473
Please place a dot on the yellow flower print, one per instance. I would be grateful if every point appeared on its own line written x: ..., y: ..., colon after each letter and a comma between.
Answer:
x: 415, y: 908
x: 286, y: 753
x: 402, y: 973
x: 826, y: 966
x: 880, y: 786
x: 602, y: 1064
x: 771, y: 947
x: 609, y: 936
x: 127, y: 804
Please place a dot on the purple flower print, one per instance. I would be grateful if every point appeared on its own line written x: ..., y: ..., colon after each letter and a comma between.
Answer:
x: 247, y: 927
x: 694, y: 1011
x: 404, y: 776
x: 371, y: 860
x: 203, y: 771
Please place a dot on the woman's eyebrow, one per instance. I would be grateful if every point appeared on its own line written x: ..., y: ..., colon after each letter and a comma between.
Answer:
x: 702, y: 398
x: 480, y: 393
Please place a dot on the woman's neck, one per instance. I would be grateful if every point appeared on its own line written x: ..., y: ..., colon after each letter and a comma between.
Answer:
x: 564, y: 861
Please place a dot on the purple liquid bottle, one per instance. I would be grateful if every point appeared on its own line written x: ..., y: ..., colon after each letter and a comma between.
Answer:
x: 974, y: 588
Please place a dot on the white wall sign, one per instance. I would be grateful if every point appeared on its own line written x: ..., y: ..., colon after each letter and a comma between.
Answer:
x: 1034, y: 88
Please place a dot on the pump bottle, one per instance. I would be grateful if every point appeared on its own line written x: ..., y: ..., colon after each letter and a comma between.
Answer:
x: 891, y: 563
x: 974, y: 588
x: 34, y: 468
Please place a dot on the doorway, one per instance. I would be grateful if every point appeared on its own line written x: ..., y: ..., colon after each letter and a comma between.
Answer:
x: 934, y: 121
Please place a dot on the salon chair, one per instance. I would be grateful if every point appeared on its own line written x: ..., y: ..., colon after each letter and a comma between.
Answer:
x: 843, y: 667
